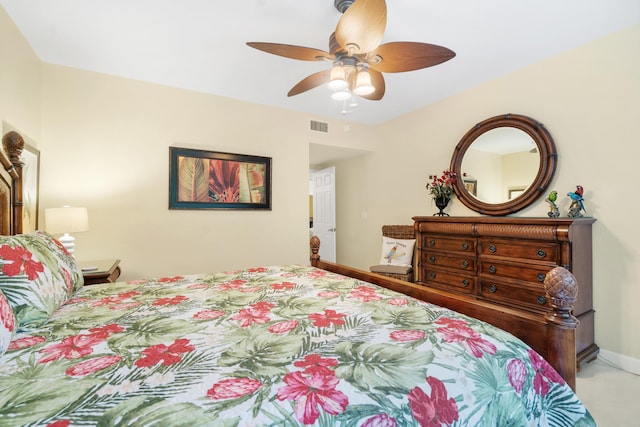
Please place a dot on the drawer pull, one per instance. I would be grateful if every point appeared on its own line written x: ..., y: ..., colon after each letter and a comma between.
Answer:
x: 432, y: 275
x: 432, y: 242
x: 542, y: 253
x: 540, y: 277
x: 465, y: 283
x: 541, y: 300
x: 493, y: 289
x: 492, y: 249
x: 465, y: 246
x: 432, y: 259
x: 492, y: 269
x: 465, y: 264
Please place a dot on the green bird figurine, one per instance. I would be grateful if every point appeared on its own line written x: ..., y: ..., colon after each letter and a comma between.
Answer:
x: 554, y: 212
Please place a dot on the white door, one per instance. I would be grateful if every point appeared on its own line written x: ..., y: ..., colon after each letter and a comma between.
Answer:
x: 324, y: 211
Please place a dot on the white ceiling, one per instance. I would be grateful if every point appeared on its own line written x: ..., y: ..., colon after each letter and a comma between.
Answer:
x: 200, y: 44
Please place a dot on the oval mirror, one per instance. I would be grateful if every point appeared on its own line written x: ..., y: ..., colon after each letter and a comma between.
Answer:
x: 503, y: 164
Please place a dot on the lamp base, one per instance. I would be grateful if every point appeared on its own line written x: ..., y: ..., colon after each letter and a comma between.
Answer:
x: 69, y: 243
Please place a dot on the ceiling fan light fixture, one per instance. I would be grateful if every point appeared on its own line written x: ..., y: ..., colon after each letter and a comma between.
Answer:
x: 363, y: 83
x: 338, y: 81
x: 341, y: 95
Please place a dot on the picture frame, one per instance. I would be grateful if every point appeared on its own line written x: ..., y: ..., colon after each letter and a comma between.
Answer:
x: 30, y: 188
x: 471, y: 185
x: 201, y: 179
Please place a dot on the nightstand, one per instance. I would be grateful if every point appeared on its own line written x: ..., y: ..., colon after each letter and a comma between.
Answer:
x: 100, y: 271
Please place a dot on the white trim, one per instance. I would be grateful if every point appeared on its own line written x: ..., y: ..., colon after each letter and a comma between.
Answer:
x: 620, y: 361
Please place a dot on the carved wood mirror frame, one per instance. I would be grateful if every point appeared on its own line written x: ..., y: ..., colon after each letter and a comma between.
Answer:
x: 548, y: 159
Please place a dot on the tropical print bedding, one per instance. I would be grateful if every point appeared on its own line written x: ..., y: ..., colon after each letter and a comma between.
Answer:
x: 273, y: 346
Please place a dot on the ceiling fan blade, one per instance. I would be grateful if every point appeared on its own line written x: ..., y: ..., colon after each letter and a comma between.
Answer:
x: 397, y: 57
x: 361, y: 27
x: 310, y: 82
x: 293, y: 52
x: 377, y: 80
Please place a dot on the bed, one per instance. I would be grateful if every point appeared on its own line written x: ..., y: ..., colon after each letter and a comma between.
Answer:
x: 272, y: 345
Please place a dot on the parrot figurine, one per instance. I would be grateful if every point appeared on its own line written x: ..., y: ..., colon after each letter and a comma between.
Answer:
x: 577, y: 202
x: 554, y: 212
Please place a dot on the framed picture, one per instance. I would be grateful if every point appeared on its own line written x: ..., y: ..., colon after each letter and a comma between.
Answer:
x: 471, y: 185
x: 200, y: 179
x: 30, y: 188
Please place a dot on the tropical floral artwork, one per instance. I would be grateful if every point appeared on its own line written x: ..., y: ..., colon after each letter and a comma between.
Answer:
x: 206, y: 179
x: 273, y: 346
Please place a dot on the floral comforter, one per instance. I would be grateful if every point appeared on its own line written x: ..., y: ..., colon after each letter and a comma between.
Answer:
x: 275, y: 346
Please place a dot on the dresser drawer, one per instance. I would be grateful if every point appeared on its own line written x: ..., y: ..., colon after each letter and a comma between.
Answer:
x: 527, y: 272
x: 451, y: 260
x: 514, y: 294
x: 535, y: 251
x: 444, y: 279
x: 439, y: 243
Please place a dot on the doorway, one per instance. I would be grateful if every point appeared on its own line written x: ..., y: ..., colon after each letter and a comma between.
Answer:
x: 323, y: 192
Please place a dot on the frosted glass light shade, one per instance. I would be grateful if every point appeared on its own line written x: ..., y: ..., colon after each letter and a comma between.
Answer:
x: 337, y: 81
x: 363, y: 83
x: 341, y: 95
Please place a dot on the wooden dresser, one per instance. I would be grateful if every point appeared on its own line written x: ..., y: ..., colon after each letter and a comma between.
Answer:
x: 504, y: 260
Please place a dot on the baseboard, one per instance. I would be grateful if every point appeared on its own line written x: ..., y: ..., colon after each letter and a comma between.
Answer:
x: 626, y: 363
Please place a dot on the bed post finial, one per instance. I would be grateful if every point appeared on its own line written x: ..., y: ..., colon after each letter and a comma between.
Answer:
x: 13, y: 144
x: 562, y: 291
x: 315, y: 248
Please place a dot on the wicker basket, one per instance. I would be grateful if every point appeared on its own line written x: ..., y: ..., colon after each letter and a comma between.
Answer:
x: 398, y: 232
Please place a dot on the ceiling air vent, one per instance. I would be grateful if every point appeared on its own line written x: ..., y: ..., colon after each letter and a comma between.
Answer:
x: 319, y: 126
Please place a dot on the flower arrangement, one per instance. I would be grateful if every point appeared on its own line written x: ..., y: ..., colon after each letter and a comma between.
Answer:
x: 442, y: 186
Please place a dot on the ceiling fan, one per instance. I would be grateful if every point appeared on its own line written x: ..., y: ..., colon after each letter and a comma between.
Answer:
x: 357, y: 56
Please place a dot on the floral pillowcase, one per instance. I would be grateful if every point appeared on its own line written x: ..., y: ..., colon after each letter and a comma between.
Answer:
x: 37, y: 275
x: 7, y: 324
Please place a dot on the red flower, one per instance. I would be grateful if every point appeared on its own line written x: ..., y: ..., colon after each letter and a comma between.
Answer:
x: 283, y: 327
x: 312, y: 391
x: 106, y: 330
x: 167, y: 355
x: 25, y: 342
x: 208, y: 314
x: 400, y: 302
x: 330, y: 317
x: 233, y: 388
x: 434, y: 410
x: 170, y: 279
x: 517, y: 372
x: 92, y: 365
x: 60, y: 423
x: 380, y: 420
x: 233, y: 284
x: 7, y: 318
x: 365, y: 294
x: 19, y: 261
x: 256, y: 313
x: 283, y: 285
x: 257, y: 270
x: 472, y: 341
x: 407, y: 335
x: 315, y: 364
x: 170, y: 301
x: 116, y: 299
x: 71, y: 347
x: 545, y: 374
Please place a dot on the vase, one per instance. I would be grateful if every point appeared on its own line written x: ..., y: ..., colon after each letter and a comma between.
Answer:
x: 441, y: 203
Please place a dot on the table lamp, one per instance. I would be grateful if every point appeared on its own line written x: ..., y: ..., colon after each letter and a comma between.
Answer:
x: 66, y: 220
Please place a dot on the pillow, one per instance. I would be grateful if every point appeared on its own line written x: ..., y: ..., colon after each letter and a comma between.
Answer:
x: 7, y: 324
x: 37, y: 275
x: 397, y: 251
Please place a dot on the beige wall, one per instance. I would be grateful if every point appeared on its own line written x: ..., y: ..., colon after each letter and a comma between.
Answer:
x: 589, y: 99
x: 104, y: 144
x: 20, y: 81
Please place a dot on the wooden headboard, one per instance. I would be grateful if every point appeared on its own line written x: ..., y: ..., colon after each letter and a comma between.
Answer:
x: 11, y: 203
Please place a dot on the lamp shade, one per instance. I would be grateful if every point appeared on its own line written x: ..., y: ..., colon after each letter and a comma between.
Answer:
x: 66, y: 220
